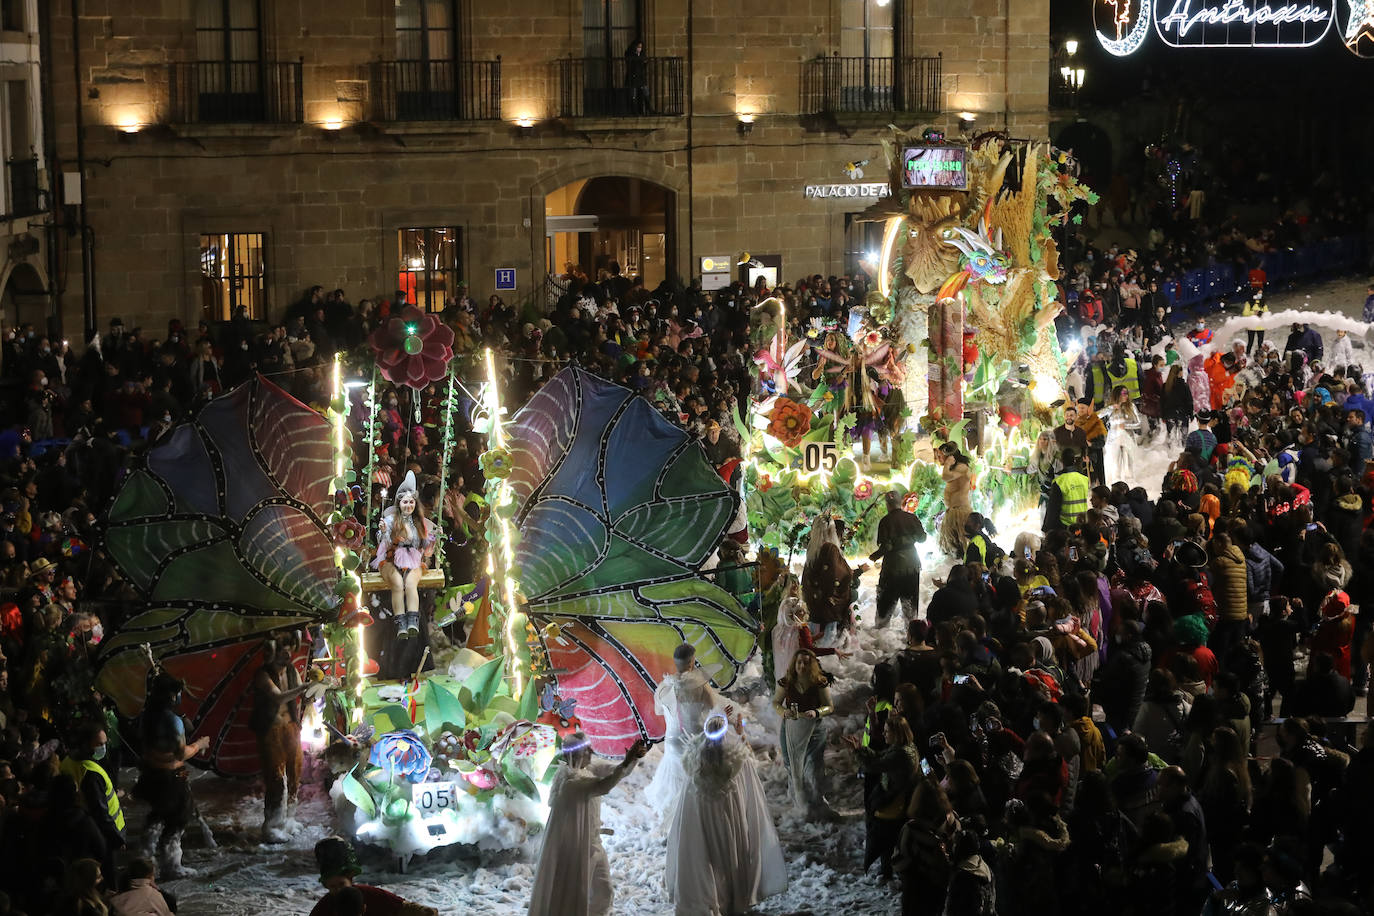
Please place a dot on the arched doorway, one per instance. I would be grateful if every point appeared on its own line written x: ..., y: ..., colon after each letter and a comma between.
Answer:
x: 1092, y: 147
x: 24, y: 299
x: 594, y: 223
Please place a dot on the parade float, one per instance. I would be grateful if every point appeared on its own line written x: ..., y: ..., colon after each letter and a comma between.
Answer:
x: 956, y: 344
x: 259, y: 514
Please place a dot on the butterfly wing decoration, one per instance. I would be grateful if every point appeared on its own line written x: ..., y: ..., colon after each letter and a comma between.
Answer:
x: 220, y: 529
x: 618, y: 509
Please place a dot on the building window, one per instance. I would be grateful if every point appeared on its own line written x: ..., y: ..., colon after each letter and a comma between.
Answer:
x: 431, y: 262
x: 608, y: 27
x: 228, y: 77
x: 233, y: 273
x: 426, y: 51
x: 426, y: 30
x: 12, y: 15
x: 228, y: 31
x: 866, y: 28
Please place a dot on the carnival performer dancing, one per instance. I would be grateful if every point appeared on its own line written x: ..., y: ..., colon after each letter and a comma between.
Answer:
x: 405, y: 545
x: 1123, y: 432
x: 276, y: 723
x: 803, y: 699
x: 899, y: 531
x: 162, y: 777
x: 573, y: 877
x: 723, y: 850
x: 683, y: 700
x: 958, y: 478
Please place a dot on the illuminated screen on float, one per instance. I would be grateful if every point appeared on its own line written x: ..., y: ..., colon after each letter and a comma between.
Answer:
x: 944, y: 167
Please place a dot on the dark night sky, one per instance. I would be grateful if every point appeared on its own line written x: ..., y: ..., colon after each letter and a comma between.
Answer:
x: 1325, y: 75
x: 1300, y: 110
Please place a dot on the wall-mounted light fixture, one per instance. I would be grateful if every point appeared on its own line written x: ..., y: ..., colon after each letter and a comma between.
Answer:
x: 966, y: 121
x: 746, y: 122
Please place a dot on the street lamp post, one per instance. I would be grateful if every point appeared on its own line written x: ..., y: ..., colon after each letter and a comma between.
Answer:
x: 1070, y: 74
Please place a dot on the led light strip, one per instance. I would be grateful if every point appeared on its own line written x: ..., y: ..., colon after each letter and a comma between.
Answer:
x: 498, y: 440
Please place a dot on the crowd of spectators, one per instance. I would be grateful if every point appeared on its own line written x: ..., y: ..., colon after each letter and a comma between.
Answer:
x: 1120, y: 677
x: 1183, y: 211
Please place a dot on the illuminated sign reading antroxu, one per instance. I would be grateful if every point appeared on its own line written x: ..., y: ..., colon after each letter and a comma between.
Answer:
x: 1123, y: 25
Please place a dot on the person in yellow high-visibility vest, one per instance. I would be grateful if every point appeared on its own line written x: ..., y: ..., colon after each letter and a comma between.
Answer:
x: 1070, y: 495
x: 94, y: 786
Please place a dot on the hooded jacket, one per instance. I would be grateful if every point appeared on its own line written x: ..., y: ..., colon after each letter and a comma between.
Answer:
x: 971, y: 889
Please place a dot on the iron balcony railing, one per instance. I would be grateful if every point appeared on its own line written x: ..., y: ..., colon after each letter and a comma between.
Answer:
x: 236, y: 92
x: 832, y: 85
x: 24, y: 196
x: 618, y: 87
x: 436, y: 90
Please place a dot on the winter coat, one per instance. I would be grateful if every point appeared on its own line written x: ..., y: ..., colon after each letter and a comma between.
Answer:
x: 1342, y: 352
x: 971, y: 890
x: 1092, y: 752
x: 1160, y: 723
x: 1228, y: 583
x: 1263, y: 570
x: 1177, y: 402
x: 1152, y: 393
x: 1032, y: 869
x: 1345, y: 522
x: 1119, y: 685
x: 1152, y: 883
x: 141, y: 899
x: 1333, y: 637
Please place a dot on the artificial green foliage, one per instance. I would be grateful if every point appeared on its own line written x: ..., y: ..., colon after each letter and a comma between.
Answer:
x: 359, y: 795
x: 443, y: 711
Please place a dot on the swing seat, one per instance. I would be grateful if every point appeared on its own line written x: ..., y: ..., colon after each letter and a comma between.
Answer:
x: 372, y: 581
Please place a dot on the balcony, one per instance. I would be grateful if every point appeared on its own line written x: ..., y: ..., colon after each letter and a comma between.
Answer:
x: 596, y: 87
x: 436, y: 90
x: 871, y: 85
x: 235, y: 92
x: 25, y: 196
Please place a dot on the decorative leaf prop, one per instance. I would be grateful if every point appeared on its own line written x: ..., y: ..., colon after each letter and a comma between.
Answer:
x: 617, y: 511
x: 221, y: 528
x: 483, y: 683
x: 517, y: 778
x: 391, y: 718
x: 358, y: 794
x: 442, y: 709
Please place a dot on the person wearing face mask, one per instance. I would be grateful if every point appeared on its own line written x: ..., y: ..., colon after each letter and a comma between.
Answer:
x: 39, y: 400
x: 405, y: 545
x: 98, y: 796
x: 162, y: 778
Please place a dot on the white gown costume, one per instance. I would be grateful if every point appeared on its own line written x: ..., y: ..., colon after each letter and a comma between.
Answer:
x: 573, y: 877
x: 683, y: 700
x: 723, y: 850
x: 1123, y: 432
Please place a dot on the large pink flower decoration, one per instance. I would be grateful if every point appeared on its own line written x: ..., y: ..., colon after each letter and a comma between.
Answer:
x: 413, y: 349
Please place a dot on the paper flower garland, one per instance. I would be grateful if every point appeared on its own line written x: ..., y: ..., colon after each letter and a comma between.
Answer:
x: 413, y: 349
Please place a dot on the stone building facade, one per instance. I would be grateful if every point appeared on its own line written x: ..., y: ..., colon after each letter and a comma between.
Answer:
x: 238, y: 152
x: 26, y: 226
